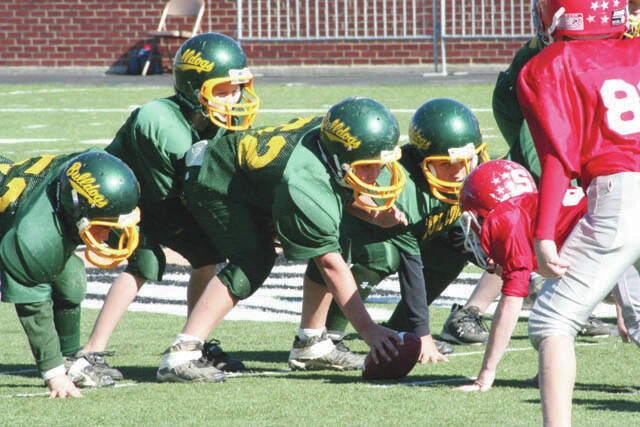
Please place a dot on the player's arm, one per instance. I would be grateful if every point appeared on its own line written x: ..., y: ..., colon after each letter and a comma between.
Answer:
x: 504, y: 322
x: 342, y: 285
x: 553, y: 185
x: 414, y: 295
x: 38, y: 324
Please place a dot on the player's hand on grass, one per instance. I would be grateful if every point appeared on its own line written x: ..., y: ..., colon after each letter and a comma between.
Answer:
x: 62, y: 386
x: 483, y: 383
x: 549, y: 263
x: 382, y: 341
x: 429, y: 352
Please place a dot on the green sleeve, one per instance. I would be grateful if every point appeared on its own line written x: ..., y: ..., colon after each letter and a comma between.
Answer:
x: 37, y: 321
x: 153, y: 142
x: 307, y: 218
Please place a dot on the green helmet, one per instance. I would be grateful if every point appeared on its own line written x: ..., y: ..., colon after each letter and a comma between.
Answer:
x: 446, y: 131
x: 201, y: 65
x: 98, y: 192
x: 359, y: 132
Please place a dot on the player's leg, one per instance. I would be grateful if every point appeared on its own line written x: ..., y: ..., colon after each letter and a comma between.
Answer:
x: 627, y: 292
x: 557, y: 376
x: 68, y: 292
x: 198, y: 281
x: 146, y: 263
x: 240, y: 233
x: 312, y: 349
x: 606, y: 235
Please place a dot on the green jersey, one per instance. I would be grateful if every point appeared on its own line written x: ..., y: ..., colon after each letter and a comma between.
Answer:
x: 376, y: 252
x: 508, y: 115
x: 247, y: 167
x: 153, y: 142
x: 236, y: 186
x: 35, y: 245
x: 40, y: 272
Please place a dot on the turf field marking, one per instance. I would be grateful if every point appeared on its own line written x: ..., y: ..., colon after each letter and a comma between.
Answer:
x: 288, y: 371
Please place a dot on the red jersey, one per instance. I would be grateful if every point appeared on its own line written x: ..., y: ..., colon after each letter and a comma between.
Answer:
x: 507, y: 236
x: 582, y: 102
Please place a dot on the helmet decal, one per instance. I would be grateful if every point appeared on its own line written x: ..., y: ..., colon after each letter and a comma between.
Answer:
x: 192, y: 60
x: 84, y: 184
x: 417, y: 138
x: 336, y: 131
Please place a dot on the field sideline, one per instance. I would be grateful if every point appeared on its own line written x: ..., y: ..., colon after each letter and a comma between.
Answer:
x: 61, y: 119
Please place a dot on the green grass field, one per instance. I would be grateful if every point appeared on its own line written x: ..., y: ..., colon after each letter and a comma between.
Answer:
x: 36, y: 119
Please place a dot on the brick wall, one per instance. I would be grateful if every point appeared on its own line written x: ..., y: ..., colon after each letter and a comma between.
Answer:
x: 105, y: 32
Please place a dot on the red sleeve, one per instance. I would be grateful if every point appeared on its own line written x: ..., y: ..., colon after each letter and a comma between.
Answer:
x: 507, y: 239
x: 550, y: 103
x: 553, y: 185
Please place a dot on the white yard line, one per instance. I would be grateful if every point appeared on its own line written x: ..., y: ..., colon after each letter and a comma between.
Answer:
x: 288, y: 371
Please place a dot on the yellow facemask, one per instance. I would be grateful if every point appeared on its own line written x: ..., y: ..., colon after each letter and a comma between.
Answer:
x: 246, y: 108
x: 100, y: 254
x: 449, y: 191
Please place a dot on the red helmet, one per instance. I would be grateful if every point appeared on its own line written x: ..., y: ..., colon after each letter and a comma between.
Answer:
x: 488, y: 185
x: 582, y: 18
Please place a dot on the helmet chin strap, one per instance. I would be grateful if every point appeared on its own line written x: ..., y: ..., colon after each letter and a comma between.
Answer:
x: 554, y: 23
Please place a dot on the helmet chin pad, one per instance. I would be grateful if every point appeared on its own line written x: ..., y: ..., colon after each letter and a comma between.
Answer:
x: 222, y: 113
x: 387, y: 193
x: 101, y: 254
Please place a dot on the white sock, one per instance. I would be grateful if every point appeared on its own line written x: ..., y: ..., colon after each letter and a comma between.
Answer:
x: 186, y: 338
x: 306, y: 333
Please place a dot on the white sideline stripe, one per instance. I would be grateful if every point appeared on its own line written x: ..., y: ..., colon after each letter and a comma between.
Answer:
x: 21, y: 140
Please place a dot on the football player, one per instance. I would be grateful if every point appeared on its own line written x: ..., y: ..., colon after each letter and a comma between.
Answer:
x: 515, y: 131
x: 299, y: 176
x: 580, y: 98
x: 214, y: 96
x: 499, y: 202
x: 51, y: 205
x: 445, y: 145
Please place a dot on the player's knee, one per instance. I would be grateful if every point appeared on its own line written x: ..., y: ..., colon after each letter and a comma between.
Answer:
x: 245, y: 281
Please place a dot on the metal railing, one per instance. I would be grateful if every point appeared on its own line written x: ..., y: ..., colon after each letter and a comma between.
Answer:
x: 298, y: 20
x: 478, y: 19
x: 309, y: 20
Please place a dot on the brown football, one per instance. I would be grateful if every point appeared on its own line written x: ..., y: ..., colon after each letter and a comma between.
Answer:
x: 400, y: 365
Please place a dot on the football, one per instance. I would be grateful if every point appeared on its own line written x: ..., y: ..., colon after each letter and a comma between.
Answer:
x: 400, y: 365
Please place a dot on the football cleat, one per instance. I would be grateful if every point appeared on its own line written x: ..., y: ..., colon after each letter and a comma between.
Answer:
x: 444, y: 347
x: 184, y: 363
x: 320, y: 353
x: 84, y: 374
x: 464, y: 326
x: 212, y: 351
x: 96, y: 359
x: 596, y: 328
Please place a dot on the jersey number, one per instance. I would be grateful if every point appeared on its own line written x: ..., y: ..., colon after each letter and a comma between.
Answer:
x: 16, y: 186
x: 623, y: 106
x: 248, y: 146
